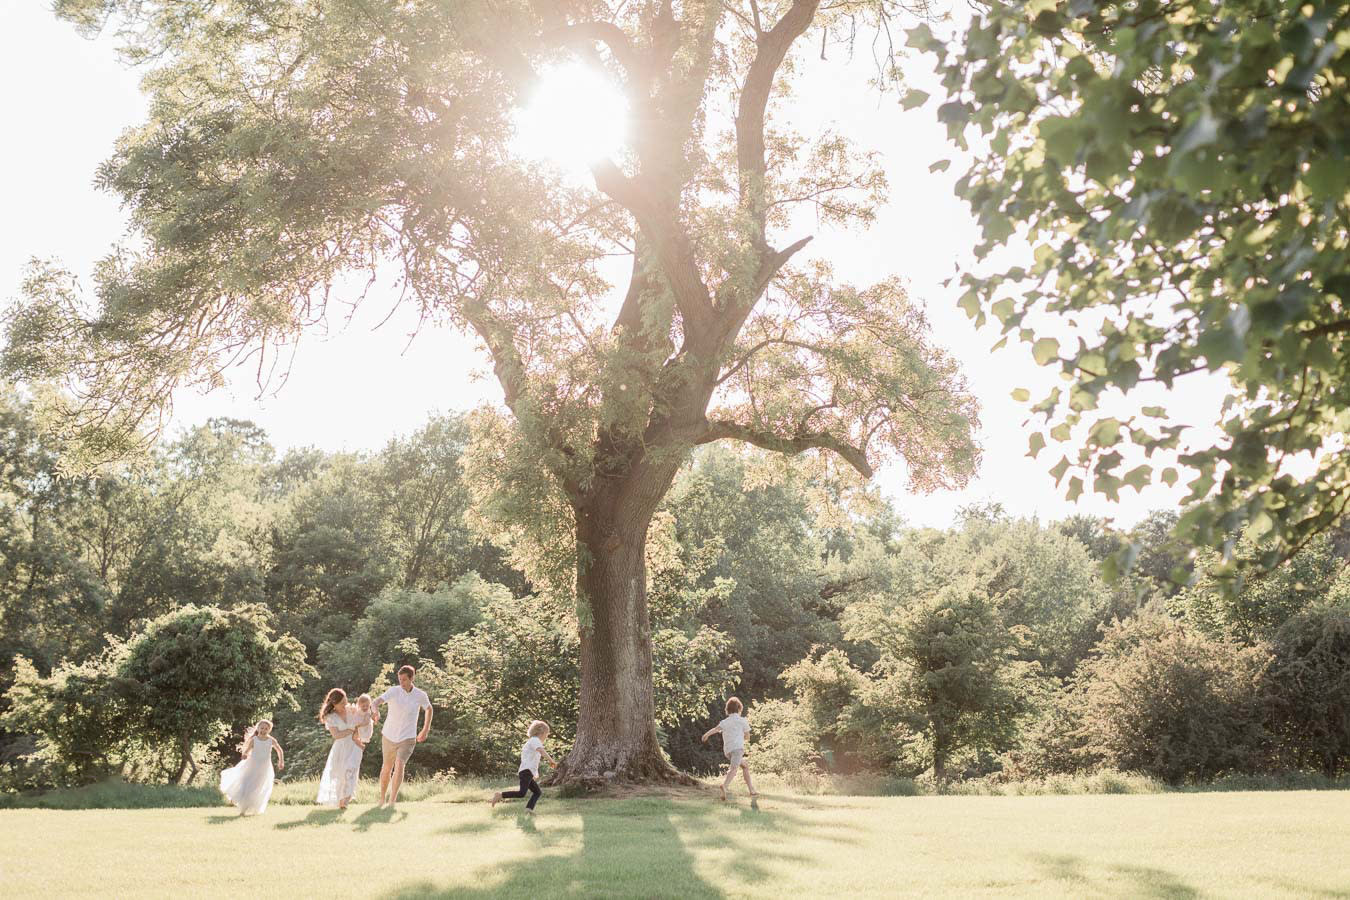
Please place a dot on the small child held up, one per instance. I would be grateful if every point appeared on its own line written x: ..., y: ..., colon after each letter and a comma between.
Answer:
x: 530, y: 753
x: 365, y: 720
x: 734, y: 730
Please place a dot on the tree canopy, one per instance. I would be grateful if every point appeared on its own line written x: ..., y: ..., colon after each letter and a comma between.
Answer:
x: 290, y: 143
x: 1180, y: 172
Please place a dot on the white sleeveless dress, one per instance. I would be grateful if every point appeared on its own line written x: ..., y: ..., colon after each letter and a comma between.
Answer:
x: 249, y: 784
x: 343, y: 767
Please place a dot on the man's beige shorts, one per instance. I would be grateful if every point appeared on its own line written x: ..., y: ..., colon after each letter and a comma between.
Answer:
x: 735, y: 757
x: 402, y: 749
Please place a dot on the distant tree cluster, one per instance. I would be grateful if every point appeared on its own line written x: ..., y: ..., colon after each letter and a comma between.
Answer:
x: 150, y: 615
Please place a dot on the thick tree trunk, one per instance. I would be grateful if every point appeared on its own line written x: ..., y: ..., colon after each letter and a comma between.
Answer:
x: 616, y: 730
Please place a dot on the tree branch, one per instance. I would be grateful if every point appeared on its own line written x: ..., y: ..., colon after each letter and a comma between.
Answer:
x: 772, y: 47
x: 813, y: 440
x: 509, y: 368
x: 1329, y: 328
x: 669, y: 240
x: 587, y: 33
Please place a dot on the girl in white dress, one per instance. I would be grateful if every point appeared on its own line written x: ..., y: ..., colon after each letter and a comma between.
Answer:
x: 248, y: 785
x: 338, y: 785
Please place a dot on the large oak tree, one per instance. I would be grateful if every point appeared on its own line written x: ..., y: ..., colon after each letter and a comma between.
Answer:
x: 293, y: 142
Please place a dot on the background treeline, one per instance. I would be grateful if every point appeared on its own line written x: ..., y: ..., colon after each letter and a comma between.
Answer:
x: 147, y: 616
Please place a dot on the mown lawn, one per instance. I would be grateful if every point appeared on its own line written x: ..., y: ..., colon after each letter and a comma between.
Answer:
x: 1294, y: 844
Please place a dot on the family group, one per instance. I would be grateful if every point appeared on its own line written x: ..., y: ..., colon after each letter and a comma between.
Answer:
x: 248, y: 785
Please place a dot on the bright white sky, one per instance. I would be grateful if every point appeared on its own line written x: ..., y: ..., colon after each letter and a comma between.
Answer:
x: 69, y: 98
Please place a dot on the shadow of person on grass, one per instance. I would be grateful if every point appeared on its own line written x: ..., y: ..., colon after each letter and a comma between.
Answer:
x: 378, y: 815
x: 316, y: 817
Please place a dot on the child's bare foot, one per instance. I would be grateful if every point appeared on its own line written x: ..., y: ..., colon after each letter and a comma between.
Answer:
x: 496, y: 798
x: 754, y: 793
x: 530, y: 811
x: 724, y: 793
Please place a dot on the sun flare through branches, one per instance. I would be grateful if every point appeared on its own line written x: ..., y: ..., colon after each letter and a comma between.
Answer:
x: 575, y: 117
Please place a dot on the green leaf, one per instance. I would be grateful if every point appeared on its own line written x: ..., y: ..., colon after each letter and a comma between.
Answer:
x: 1035, y: 444
x: 913, y: 98
x: 1045, y: 350
x: 1138, y: 477
x: 970, y: 304
x: 1021, y: 395
x: 1202, y: 131
x: 1075, y: 489
x: 940, y: 166
x: 1328, y: 178
x: 1105, y: 433
x: 1062, y: 138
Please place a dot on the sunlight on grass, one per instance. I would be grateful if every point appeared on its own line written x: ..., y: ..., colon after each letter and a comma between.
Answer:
x: 690, y: 845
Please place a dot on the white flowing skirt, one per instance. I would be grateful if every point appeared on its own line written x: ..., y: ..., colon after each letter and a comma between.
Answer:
x: 340, y: 773
x: 249, y: 784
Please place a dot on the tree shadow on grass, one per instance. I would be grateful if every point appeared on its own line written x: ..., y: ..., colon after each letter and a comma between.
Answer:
x: 315, y: 818
x: 1141, y: 881
x: 643, y: 846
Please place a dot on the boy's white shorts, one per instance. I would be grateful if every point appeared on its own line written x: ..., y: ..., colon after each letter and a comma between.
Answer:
x: 735, y: 757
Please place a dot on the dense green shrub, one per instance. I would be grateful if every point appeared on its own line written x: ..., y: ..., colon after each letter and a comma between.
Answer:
x: 1257, y: 611
x: 78, y: 717
x: 1310, y: 689
x: 1164, y: 700
x: 198, y: 672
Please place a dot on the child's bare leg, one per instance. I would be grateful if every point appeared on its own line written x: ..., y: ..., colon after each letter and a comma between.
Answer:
x: 745, y: 770
x: 726, y: 782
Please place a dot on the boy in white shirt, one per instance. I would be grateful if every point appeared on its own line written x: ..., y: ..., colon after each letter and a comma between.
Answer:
x: 735, y: 728
x: 530, y: 752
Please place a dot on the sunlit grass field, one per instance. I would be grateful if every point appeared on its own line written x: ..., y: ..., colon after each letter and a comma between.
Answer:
x: 448, y: 842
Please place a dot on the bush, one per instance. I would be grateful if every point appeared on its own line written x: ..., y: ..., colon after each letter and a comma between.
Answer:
x: 77, y: 716
x: 198, y: 672
x: 1163, y: 700
x: 1310, y: 690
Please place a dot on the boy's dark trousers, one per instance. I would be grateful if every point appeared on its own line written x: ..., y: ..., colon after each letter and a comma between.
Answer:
x: 527, y: 783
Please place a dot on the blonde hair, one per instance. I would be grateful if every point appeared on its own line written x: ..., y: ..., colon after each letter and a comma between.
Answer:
x: 252, y: 730
x: 365, y: 697
x: 734, y: 705
x: 536, y: 727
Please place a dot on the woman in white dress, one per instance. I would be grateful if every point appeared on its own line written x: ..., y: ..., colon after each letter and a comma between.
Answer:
x: 338, y: 785
x: 248, y: 785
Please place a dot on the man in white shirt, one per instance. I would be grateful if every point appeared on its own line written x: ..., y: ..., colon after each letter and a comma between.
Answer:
x: 400, y: 736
